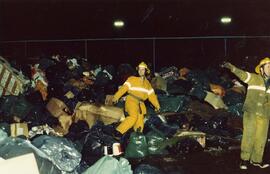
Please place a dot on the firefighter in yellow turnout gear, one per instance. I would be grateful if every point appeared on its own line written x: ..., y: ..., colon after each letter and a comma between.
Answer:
x: 139, y: 89
x: 256, y: 113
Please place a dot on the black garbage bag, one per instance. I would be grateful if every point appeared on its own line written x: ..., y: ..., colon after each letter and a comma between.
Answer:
x: 154, y: 138
x: 14, y: 106
x: 179, y: 119
x: 77, y: 131
x: 56, y: 73
x: 102, y: 79
x: 234, y: 101
x: 179, y: 87
x: 154, y: 122
x: 99, y: 94
x: 217, y: 76
x: 222, y: 142
x: 94, y: 143
x: 169, y: 74
x: 217, y: 125
x: 219, y: 122
x: 147, y: 169
x: 45, y: 63
x: 199, y: 78
x: 232, y: 98
x: 6, y: 105
x: 236, y: 109
x: 86, y: 94
x: 198, y: 92
x: 185, y: 146
x: 110, y: 69
x: 13, y: 147
x: 39, y: 115
x: 55, y: 89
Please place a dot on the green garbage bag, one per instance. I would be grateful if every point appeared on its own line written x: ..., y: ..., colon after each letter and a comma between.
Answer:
x: 110, y: 165
x: 169, y: 104
x: 137, y: 147
x: 154, y: 139
x: 5, y: 127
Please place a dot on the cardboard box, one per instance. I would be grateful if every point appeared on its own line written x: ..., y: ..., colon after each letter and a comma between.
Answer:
x: 17, y: 129
x: 108, y: 100
x: 106, y: 114
x: 56, y: 107
x: 11, y: 81
x: 200, y: 137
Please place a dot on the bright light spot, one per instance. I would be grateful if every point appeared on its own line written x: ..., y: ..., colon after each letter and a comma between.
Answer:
x: 226, y: 20
x: 118, y: 23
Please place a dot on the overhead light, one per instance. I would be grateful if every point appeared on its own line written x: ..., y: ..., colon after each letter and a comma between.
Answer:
x: 225, y: 20
x: 118, y: 23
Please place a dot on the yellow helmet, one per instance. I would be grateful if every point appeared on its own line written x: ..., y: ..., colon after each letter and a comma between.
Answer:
x: 262, y: 62
x: 143, y: 65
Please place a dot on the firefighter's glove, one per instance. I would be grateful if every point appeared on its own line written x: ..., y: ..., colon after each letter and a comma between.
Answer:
x: 225, y: 64
x: 157, y: 110
x: 114, y: 100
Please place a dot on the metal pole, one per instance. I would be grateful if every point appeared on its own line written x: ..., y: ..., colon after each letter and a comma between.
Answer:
x: 25, y: 49
x: 225, y: 47
x: 154, y: 55
x: 85, y: 49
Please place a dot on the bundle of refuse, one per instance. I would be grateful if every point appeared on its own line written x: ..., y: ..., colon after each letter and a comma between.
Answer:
x: 61, y: 114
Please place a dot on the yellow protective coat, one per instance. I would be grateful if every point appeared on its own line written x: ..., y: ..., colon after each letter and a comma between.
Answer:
x: 139, y: 89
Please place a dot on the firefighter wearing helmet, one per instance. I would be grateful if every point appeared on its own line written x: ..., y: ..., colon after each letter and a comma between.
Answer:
x: 138, y: 89
x: 256, y: 113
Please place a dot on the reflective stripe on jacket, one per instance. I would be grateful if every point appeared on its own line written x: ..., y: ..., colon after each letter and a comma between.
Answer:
x: 140, y: 88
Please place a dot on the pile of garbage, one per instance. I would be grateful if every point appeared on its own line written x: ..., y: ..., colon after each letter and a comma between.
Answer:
x: 58, y: 110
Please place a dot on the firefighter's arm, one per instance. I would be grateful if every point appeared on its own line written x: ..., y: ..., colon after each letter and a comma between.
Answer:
x: 121, y: 91
x: 152, y: 97
x: 242, y: 75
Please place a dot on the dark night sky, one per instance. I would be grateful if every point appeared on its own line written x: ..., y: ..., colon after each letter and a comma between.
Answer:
x: 66, y: 19
x: 86, y: 19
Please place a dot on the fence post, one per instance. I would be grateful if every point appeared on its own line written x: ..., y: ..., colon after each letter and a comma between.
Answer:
x: 85, y: 49
x: 25, y: 49
x: 154, y: 55
x: 225, y: 47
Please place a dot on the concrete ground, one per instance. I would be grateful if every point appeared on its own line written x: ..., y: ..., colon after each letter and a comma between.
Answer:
x: 211, y: 162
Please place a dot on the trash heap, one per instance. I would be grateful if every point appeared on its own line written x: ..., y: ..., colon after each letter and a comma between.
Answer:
x: 61, y: 113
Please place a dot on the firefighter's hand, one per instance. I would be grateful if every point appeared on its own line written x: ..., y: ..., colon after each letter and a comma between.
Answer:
x: 225, y: 64
x: 157, y: 110
x: 114, y: 100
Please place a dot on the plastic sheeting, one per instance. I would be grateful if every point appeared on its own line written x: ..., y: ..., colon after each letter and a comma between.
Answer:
x: 110, y: 165
x: 12, y: 147
x: 61, y: 152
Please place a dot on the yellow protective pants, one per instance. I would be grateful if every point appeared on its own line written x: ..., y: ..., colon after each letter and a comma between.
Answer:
x: 136, y: 111
x: 254, y: 137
